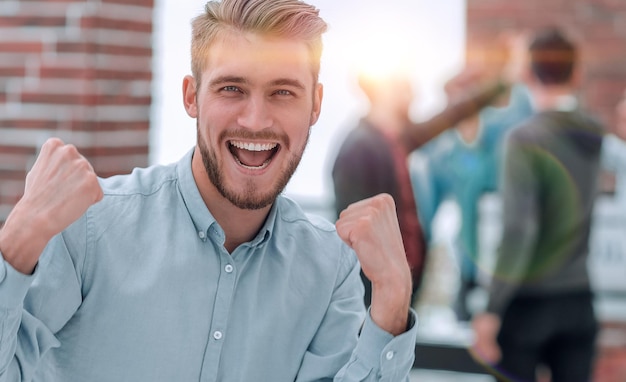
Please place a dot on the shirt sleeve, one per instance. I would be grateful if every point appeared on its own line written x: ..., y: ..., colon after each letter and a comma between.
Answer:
x: 33, y: 308
x: 13, y: 288
x: 379, y: 356
x: 520, y: 214
x: 338, y: 352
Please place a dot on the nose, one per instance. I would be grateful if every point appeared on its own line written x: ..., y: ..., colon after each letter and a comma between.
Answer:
x: 255, y: 114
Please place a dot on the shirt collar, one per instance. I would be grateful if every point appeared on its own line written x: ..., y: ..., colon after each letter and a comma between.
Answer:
x: 202, y: 218
x: 566, y: 103
x: 197, y: 209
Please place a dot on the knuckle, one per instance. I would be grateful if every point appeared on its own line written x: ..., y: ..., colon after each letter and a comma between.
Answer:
x: 387, y: 200
x: 53, y: 142
x: 50, y: 145
x: 70, y: 150
x: 83, y: 165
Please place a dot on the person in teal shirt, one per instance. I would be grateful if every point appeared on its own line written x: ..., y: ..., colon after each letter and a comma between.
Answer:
x: 202, y: 270
x: 462, y: 164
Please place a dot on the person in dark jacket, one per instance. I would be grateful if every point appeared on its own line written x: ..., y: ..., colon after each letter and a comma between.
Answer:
x: 540, y: 309
x: 373, y: 158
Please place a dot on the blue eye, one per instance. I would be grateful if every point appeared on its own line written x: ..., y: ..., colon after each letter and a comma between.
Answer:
x: 283, y: 92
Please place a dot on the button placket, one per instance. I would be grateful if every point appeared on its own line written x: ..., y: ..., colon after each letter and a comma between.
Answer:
x: 223, y: 303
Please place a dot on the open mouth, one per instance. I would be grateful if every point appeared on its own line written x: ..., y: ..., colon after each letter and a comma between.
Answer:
x: 253, y: 156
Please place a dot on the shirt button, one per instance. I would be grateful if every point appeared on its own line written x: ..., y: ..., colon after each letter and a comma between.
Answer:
x: 217, y: 335
x: 228, y: 268
x: 389, y: 355
x: 201, y: 235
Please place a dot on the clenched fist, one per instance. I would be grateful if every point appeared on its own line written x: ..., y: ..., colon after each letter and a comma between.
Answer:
x: 370, y: 227
x: 60, y: 187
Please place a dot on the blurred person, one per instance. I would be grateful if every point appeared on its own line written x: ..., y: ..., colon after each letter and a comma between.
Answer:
x: 540, y: 310
x: 462, y: 164
x: 373, y: 158
x: 202, y: 270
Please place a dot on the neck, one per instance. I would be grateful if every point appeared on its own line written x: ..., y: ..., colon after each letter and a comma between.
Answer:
x: 239, y: 225
x: 551, y: 97
x: 468, y: 129
x: 387, y: 121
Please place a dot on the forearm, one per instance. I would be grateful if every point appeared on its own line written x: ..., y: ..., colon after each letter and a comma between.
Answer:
x: 391, y: 303
x: 418, y: 134
x: 23, y: 239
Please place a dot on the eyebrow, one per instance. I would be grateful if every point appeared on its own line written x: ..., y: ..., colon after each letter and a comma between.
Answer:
x: 227, y: 79
x: 241, y: 80
x: 288, y: 82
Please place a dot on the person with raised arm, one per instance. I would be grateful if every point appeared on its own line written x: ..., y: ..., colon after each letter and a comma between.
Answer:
x: 201, y: 270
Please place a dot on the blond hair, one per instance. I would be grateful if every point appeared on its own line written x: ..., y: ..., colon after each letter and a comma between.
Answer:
x: 291, y: 19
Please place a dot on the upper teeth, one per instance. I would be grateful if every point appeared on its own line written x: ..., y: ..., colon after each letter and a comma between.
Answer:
x: 253, y: 146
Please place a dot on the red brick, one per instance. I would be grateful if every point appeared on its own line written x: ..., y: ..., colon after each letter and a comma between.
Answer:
x: 29, y: 21
x: 58, y: 99
x: 138, y: 3
x: 21, y: 47
x: 77, y: 125
x: 12, y: 72
x: 105, y: 152
x: 12, y: 175
x: 46, y: 2
x: 124, y: 75
x: 83, y: 99
x: 65, y: 72
x: 28, y: 124
x: 107, y: 23
x: 89, y: 73
x: 84, y: 47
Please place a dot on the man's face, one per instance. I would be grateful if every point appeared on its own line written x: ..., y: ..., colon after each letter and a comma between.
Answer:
x: 254, y: 109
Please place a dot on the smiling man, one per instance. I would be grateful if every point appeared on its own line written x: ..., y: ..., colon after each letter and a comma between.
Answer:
x: 201, y: 270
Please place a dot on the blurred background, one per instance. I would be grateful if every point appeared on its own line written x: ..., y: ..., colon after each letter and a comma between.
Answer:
x: 106, y: 75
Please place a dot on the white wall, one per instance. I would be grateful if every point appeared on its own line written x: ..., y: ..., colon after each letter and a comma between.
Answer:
x: 432, y: 32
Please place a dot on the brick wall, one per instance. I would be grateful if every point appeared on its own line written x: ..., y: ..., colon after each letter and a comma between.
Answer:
x: 599, y: 26
x: 78, y: 70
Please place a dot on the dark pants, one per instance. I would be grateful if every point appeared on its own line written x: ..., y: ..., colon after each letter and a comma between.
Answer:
x: 557, y: 331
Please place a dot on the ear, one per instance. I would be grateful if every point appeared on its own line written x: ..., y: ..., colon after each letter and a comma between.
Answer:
x: 190, y: 96
x: 318, y: 94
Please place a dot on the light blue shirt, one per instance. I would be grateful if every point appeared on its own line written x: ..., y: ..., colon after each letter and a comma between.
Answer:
x: 141, y: 289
